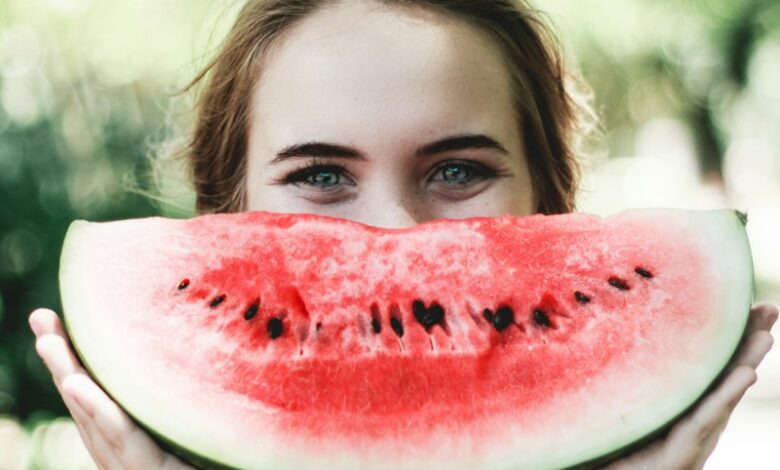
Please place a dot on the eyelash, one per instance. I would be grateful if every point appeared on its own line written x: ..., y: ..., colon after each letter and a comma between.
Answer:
x: 477, y: 170
x: 311, y: 168
x: 315, y: 166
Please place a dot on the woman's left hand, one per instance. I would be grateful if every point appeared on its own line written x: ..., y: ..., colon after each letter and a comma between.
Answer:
x: 690, y: 441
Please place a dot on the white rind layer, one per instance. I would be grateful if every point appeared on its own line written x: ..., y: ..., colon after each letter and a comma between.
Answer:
x: 719, y: 233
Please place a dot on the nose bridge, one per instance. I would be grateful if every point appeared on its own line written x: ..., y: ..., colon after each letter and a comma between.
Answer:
x: 390, y: 196
x: 391, y: 204
x: 398, y: 215
x: 390, y: 213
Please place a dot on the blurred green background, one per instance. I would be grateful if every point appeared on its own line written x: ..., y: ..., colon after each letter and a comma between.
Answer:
x: 689, y: 93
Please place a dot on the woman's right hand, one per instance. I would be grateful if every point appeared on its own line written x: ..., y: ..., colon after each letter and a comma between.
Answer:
x: 111, y: 437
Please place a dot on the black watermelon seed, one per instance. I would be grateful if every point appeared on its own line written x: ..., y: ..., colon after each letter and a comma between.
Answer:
x: 217, y: 300
x: 618, y: 283
x: 376, y: 326
x: 397, y: 326
x: 541, y: 318
x: 251, y: 311
x: 427, y: 316
x: 503, y: 318
x: 376, y: 322
x: 643, y: 272
x: 488, y: 314
x: 581, y: 298
x: 275, y: 327
x: 183, y: 284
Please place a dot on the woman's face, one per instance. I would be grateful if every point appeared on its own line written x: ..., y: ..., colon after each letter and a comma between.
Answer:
x: 387, y: 116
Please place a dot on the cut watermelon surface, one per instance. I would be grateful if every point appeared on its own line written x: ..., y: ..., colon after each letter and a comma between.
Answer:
x: 277, y: 341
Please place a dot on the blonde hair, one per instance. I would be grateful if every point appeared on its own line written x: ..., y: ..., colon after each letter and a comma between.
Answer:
x: 551, y: 117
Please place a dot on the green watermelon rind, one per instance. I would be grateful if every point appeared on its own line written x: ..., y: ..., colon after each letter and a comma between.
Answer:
x: 606, y: 459
x: 202, y: 461
x: 186, y: 454
x: 740, y: 222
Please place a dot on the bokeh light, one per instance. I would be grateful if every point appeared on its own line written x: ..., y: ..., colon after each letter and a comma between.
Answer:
x: 14, y: 445
x: 56, y: 444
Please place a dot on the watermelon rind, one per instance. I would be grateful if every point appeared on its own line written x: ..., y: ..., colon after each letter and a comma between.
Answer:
x: 69, y: 278
x: 722, y: 233
x: 728, y: 238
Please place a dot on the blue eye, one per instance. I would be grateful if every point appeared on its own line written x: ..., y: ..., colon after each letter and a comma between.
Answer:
x: 323, y: 178
x: 461, y: 173
x: 454, y: 173
x: 319, y: 176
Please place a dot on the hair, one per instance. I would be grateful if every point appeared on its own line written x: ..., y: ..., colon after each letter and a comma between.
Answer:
x: 552, y: 117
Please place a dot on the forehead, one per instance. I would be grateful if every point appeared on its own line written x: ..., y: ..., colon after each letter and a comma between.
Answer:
x: 361, y: 65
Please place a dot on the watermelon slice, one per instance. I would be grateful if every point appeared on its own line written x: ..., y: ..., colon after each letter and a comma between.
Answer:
x: 277, y: 341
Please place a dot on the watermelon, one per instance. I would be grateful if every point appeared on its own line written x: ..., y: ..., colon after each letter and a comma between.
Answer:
x: 288, y: 341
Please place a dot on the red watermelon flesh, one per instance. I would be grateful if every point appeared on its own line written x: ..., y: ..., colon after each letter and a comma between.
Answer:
x: 262, y: 340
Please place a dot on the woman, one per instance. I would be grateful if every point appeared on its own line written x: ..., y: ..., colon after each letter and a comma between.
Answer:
x: 390, y: 113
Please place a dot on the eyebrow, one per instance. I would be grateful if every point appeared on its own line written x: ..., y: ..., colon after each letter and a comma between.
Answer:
x: 461, y: 142
x: 448, y: 144
x: 317, y: 149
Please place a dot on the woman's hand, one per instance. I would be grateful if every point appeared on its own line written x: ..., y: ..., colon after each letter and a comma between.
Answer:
x: 690, y: 442
x: 111, y: 437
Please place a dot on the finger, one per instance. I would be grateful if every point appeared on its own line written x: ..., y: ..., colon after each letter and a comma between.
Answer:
x: 110, y: 420
x: 99, y: 448
x: 686, y: 441
x: 715, y: 406
x: 104, y: 436
x: 44, y: 321
x: 58, y: 357
x: 708, y: 446
x: 762, y: 317
x: 135, y: 449
x: 722, y: 401
x: 756, y: 346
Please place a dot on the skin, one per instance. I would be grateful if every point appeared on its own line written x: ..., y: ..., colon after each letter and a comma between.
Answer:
x: 382, y: 92
x: 434, y: 79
